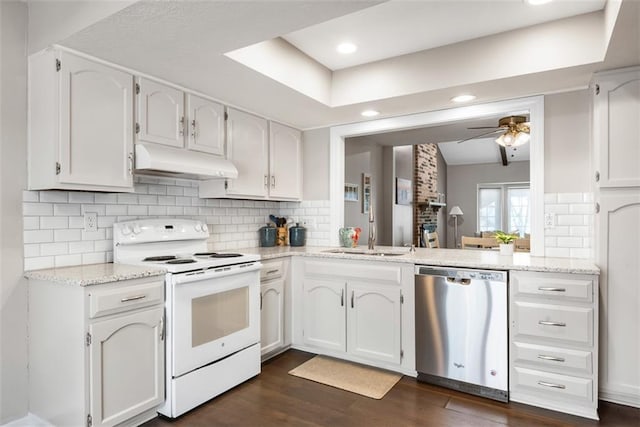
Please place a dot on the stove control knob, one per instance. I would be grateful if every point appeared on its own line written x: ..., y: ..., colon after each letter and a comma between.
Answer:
x: 136, y: 229
x: 125, y: 230
x: 198, y: 227
x: 205, y: 228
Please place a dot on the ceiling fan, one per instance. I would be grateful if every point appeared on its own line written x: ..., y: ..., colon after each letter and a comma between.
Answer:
x: 515, y: 131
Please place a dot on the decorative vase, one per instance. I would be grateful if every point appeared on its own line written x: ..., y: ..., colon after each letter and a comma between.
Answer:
x: 506, y: 248
x: 349, y: 236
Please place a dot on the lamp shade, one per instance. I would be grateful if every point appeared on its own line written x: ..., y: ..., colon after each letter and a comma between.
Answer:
x: 455, y: 211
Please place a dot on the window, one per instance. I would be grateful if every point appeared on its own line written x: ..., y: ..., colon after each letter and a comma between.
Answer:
x: 504, y: 207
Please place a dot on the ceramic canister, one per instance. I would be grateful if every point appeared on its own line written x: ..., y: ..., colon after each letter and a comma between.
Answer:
x: 297, y: 235
x: 267, y: 236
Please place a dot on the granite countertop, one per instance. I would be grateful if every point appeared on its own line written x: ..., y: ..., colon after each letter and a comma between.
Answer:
x: 93, y: 274
x: 469, y: 258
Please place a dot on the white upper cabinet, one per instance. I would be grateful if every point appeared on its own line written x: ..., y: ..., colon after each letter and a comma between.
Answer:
x: 80, y: 124
x: 268, y: 156
x: 160, y: 113
x: 206, y: 125
x: 248, y: 150
x: 285, y: 162
x: 616, y: 128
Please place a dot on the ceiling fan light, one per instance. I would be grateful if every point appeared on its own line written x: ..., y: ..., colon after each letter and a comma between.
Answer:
x: 506, y: 139
x: 521, y: 139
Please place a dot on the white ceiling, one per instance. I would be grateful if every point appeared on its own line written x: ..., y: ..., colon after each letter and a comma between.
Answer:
x: 398, y: 27
x: 185, y: 42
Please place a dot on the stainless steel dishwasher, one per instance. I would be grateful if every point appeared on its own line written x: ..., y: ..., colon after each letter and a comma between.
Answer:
x: 461, y: 330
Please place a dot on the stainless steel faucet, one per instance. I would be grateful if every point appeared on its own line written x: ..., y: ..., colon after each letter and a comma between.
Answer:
x: 372, y: 226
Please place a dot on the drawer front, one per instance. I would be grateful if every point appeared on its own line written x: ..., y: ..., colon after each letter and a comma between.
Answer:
x: 271, y: 270
x: 552, y: 385
x: 556, y: 286
x: 348, y: 270
x: 112, y: 300
x: 558, y: 322
x: 545, y: 357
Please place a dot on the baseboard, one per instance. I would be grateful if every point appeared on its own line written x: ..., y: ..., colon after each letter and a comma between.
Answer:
x: 620, y: 398
x: 30, y: 420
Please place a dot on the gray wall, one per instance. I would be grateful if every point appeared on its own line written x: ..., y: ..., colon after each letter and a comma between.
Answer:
x: 360, y: 157
x: 315, y: 152
x: 567, y: 148
x: 402, y: 223
x: 13, y: 169
x: 462, y: 190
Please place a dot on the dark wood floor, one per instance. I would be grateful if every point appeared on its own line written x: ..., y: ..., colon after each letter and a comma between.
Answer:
x: 275, y: 398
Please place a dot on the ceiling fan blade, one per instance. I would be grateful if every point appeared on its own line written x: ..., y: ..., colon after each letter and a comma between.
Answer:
x: 485, y: 127
x: 482, y: 134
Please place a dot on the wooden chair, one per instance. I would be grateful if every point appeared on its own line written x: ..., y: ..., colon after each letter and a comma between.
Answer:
x: 432, y: 240
x: 479, y: 242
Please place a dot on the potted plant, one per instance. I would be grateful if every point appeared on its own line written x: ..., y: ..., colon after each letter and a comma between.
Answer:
x: 506, y: 242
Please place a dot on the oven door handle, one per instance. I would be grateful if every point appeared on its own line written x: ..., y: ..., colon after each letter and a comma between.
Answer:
x: 214, y: 273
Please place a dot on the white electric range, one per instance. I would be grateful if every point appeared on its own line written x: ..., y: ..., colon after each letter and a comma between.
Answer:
x: 212, y: 307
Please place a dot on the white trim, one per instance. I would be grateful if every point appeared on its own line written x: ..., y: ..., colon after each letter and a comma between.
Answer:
x: 535, y: 107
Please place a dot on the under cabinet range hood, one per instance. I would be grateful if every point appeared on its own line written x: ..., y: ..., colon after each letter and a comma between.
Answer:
x: 179, y: 163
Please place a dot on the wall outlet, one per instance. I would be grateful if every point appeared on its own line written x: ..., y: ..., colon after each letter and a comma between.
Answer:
x: 309, y: 223
x: 549, y: 220
x: 90, y: 221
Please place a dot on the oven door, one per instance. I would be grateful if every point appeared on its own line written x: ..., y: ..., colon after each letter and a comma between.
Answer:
x: 215, y: 313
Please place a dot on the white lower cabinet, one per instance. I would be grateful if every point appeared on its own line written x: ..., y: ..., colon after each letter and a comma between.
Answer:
x: 355, y: 311
x: 554, y: 345
x: 274, y: 294
x: 96, y: 352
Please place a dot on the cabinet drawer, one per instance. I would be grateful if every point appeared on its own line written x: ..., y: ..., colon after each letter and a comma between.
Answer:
x: 353, y: 270
x: 556, y: 286
x: 116, y: 299
x: 565, y: 323
x: 271, y: 270
x: 553, y: 357
x: 551, y: 385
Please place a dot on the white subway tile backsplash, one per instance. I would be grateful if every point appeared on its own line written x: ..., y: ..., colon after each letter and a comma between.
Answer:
x: 116, y: 209
x: 66, y: 209
x: 139, y: 210
x: 570, y: 242
x: 30, y: 196
x: 570, y: 197
x: 148, y: 199
x: 106, y: 198
x: 54, y: 196
x: 49, y: 222
x: 570, y: 220
x: 76, y: 222
x: 32, y: 250
x: 99, y: 209
x: 157, y: 189
x: 581, y: 208
x: 54, y: 248
x: 175, y: 191
x: 93, y: 235
x: 37, y: 209
x: 157, y: 210
x: 31, y: 223
x: 127, y: 199
x: 106, y: 221
x: 103, y: 245
x: 94, y: 258
x: 38, y: 236
x: 67, y: 260
x: 175, y: 210
x: 81, y: 197
x: 572, y: 235
x: 37, y: 263
x: 550, y: 198
x: 556, y: 208
x: 69, y: 235
x: 80, y: 247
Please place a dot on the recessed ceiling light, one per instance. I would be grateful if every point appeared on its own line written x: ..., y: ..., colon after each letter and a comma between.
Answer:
x: 538, y: 2
x: 346, y: 48
x: 370, y: 113
x: 463, y: 98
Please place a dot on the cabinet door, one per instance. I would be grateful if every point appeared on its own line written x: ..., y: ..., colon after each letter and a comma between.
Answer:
x: 285, y: 162
x: 617, y: 129
x: 126, y: 366
x: 96, y: 133
x: 160, y: 114
x: 324, y: 319
x: 373, y: 317
x: 618, y: 252
x: 206, y: 125
x: 271, y: 315
x: 247, y: 148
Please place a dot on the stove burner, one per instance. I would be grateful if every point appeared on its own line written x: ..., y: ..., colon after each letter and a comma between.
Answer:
x: 204, y: 253
x: 181, y: 261
x: 160, y: 258
x: 225, y: 255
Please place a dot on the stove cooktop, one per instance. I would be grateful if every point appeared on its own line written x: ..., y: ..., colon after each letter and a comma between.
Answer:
x: 199, y: 260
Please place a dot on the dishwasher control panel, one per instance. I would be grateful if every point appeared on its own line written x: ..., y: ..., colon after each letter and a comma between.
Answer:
x: 460, y: 274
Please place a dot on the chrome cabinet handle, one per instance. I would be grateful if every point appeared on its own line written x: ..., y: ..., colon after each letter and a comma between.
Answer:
x: 273, y: 181
x: 352, y: 296
x: 260, y: 301
x: 552, y: 358
x: 193, y: 129
x: 162, y: 328
x: 342, y: 298
x: 551, y: 323
x: 181, y: 126
x: 133, y: 298
x: 130, y: 157
x: 266, y: 181
x: 272, y: 271
x: 546, y: 288
x: 552, y: 385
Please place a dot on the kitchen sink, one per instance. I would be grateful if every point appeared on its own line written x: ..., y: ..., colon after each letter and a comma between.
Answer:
x: 364, y: 252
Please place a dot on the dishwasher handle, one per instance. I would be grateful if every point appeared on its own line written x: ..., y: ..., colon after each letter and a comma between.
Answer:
x: 458, y: 281
x: 461, y: 275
